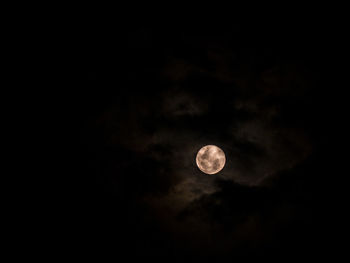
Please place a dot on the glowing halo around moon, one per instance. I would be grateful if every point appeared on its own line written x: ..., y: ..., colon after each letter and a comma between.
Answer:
x: 210, y: 159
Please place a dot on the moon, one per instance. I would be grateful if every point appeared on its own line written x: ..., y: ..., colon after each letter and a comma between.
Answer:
x: 210, y: 159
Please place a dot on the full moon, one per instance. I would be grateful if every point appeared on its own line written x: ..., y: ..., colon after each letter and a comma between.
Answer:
x: 210, y: 159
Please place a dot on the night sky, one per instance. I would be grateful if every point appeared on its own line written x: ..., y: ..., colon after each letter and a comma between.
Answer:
x: 141, y: 99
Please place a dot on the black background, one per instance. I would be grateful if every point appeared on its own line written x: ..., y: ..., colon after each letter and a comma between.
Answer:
x: 112, y: 65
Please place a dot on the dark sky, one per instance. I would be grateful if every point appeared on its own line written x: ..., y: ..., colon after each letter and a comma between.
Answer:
x: 142, y: 99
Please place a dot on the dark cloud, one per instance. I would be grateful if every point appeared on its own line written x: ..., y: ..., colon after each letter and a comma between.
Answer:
x: 181, y: 91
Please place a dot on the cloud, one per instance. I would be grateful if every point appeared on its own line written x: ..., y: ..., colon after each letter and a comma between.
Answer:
x: 199, y: 105
x: 146, y: 145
